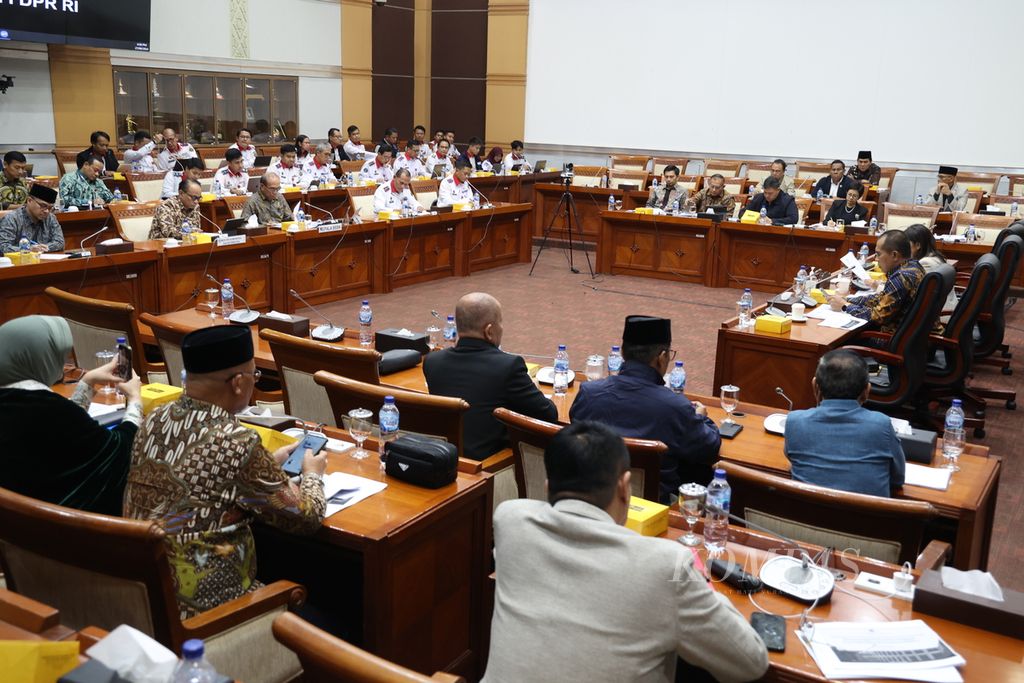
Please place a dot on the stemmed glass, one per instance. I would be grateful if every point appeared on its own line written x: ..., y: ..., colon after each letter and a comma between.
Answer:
x: 360, y: 427
x: 212, y: 299
x: 730, y: 399
x: 618, y: 204
x: 691, y: 501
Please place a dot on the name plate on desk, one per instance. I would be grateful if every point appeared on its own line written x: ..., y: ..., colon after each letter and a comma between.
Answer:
x: 228, y: 240
x: 332, y: 227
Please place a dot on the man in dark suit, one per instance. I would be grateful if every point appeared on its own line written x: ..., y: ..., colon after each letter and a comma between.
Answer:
x: 472, y: 153
x: 836, y: 183
x: 476, y: 370
x: 99, y: 149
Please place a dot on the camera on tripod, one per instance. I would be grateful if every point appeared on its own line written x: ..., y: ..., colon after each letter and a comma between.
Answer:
x: 567, y: 173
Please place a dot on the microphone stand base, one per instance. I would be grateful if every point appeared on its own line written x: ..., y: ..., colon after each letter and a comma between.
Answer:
x: 246, y: 317
x: 816, y: 588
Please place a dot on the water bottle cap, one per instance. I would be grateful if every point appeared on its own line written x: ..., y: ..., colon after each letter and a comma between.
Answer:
x: 366, y: 302
x: 615, y: 348
x: 746, y: 289
x: 956, y: 402
x: 679, y: 363
x: 120, y: 340
x: 561, y: 347
x: 451, y: 318
x: 227, y: 281
x: 192, y: 649
x: 719, y: 473
x: 389, y: 399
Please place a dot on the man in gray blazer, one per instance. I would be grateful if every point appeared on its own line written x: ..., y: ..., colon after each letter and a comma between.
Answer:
x: 582, y: 598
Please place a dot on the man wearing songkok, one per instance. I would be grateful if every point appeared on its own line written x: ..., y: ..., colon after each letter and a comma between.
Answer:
x: 866, y: 172
x: 947, y: 194
x: 34, y: 220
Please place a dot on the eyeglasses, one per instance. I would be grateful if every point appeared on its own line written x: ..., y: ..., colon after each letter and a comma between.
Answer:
x: 43, y: 206
x: 195, y: 197
x: 256, y: 374
x: 671, y: 354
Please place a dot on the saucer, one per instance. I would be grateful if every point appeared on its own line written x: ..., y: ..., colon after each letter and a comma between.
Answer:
x: 801, y: 319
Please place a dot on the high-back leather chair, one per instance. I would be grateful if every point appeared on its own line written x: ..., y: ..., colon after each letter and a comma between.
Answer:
x: 886, y: 529
x: 728, y: 168
x: 106, y: 571
x: 133, y: 221
x: 812, y: 169
x: 659, y: 164
x: 361, y: 200
x: 425, y: 191
x: 298, y: 359
x: 618, y: 177
x: 326, y: 659
x: 530, y: 438
x: 146, y: 187
x: 588, y: 176
x: 904, y: 352
x: 629, y: 162
x: 901, y: 216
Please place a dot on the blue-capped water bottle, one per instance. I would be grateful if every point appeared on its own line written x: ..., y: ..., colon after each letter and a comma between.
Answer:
x: 716, y: 515
x: 387, y: 418
x: 561, y: 380
x: 227, y: 298
x: 451, y: 331
x: 194, y: 667
x: 611, y: 203
x: 919, y: 199
x: 873, y: 226
x: 677, y: 378
x: 953, y: 436
x: 863, y: 254
x: 615, y: 360
x: 117, y: 195
x: 365, y: 324
x: 24, y: 251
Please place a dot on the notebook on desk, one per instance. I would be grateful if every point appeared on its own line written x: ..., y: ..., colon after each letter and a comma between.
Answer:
x: 262, y: 161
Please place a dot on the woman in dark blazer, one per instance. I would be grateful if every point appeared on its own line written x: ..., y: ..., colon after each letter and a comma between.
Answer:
x: 848, y: 211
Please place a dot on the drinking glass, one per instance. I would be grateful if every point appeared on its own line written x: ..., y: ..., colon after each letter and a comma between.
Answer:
x: 433, y: 336
x: 212, y: 299
x: 840, y: 225
x: 618, y: 205
x: 691, y: 502
x: 102, y: 358
x: 730, y: 399
x: 691, y: 207
x: 595, y: 367
x: 952, y: 447
x: 360, y: 427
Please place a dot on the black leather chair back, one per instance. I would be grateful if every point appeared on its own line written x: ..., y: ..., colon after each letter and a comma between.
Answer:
x: 960, y: 327
x: 992, y: 327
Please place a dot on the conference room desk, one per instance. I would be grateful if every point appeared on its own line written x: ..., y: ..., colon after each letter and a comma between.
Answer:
x: 257, y: 268
x: 497, y: 188
x: 322, y: 204
x: 667, y: 247
x: 335, y: 264
x: 496, y: 236
x: 969, y: 503
x: 989, y: 656
x: 527, y: 192
x: 589, y: 202
x: 131, y: 277
x: 423, y: 248
x: 79, y: 224
x: 767, y: 257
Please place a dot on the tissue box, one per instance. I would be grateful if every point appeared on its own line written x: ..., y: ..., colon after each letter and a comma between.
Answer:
x: 122, y: 248
x: 772, y: 323
x: 386, y: 215
x: 919, y: 445
x: 253, y: 230
x: 270, y: 438
x: 389, y: 339
x: 15, y: 257
x: 287, y: 224
x: 646, y: 211
x: 154, y: 395
x: 297, y: 326
x: 1006, y: 617
x: 203, y: 237
x: 646, y: 517
x: 750, y: 216
x: 91, y: 671
x: 207, y: 197
x: 462, y: 206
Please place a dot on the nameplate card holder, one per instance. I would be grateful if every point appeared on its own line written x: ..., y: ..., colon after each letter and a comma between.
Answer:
x: 330, y: 227
x: 228, y: 240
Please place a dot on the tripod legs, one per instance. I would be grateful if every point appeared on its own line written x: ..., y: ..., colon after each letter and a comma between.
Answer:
x: 566, y: 203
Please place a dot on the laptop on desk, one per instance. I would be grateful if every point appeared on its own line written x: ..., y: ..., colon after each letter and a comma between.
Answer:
x: 540, y: 166
x: 254, y: 185
x: 262, y: 161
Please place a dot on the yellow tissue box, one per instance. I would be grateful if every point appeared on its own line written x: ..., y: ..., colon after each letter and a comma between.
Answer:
x: 773, y: 323
x: 203, y: 237
x: 646, y: 211
x: 386, y: 215
x: 462, y: 206
x: 513, y: 172
x: 287, y: 224
x: 819, y: 295
x: 208, y: 197
x: 271, y: 438
x: 876, y: 275
x: 646, y: 517
x: 367, y: 182
x: 750, y: 216
x: 291, y: 188
x: 154, y: 395
x: 118, y: 176
x: 15, y: 256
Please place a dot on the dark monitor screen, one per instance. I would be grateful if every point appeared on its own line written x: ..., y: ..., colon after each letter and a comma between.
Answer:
x: 119, y: 24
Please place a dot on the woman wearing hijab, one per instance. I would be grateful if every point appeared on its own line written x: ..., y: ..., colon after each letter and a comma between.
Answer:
x: 492, y: 162
x: 50, y: 448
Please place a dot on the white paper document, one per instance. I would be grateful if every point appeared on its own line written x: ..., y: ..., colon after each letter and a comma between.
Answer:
x: 851, y: 261
x: 908, y: 650
x: 843, y: 321
x: 53, y: 257
x: 344, y: 490
x: 100, y: 409
x: 928, y: 477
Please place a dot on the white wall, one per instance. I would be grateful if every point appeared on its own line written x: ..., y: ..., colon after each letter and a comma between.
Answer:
x: 26, y: 110
x: 916, y: 81
x: 319, y: 102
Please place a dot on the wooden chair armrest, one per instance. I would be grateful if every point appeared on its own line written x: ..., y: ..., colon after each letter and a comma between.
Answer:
x: 875, y: 334
x: 881, y: 356
x: 244, y: 608
x: 442, y: 677
x: 89, y: 636
x: 468, y: 466
x: 26, y: 613
x: 276, y: 396
x: 943, y: 341
x: 933, y: 556
x: 498, y: 461
x: 946, y: 311
x: 984, y: 317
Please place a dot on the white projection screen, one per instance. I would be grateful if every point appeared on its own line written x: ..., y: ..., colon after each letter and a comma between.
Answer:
x: 916, y: 81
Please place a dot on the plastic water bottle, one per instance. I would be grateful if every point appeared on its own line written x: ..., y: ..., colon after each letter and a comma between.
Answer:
x: 300, y: 219
x: 821, y: 193
x: 476, y: 200
x: 953, y: 433
x: 919, y: 199
x: 24, y: 251
x: 800, y: 284
x: 654, y: 184
x: 764, y: 215
x: 675, y: 207
x: 971, y: 233
x: 863, y: 254
x: 677, y: 378
x: 611, y: 203
x: 388, y: 421
x: 184, y: 374
x: 873, y: 226
x: 451, y: 332
x: 186, y: 233
x: 561, y: 371
x: 365, y: 324
x: 218, y: 189
x: 1013, y: 209
x: 117, y: 195
x: 227, y: 298
x: 615, y: 361
x: 716, y: 516
x: 746, y: 305
x: 193, y: 667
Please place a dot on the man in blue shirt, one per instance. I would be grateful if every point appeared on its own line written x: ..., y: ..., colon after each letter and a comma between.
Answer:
x: 779, y: 207
x: 840, y: 444
x: 637, y: 403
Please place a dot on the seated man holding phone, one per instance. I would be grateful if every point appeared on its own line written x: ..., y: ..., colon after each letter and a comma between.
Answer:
x: 202, y: 476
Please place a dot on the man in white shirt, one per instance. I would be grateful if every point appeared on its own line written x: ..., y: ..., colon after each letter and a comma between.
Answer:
x: 515, y: 159
x: 141, y: 157
x: 411, y: 160
x: 419, y: 134
x: 173, y: 150
x: 184, y: 169
x: 242, y: 139
x: 319, y: 170
x: 453, y: 151
x: 947, y: 194
x: 440, y: 159
x: 456, y: 189
x: 290, y: 172
x: 579, y: 597
x: 378, y: 169
x: 231, y: 179
x: 438, y: 136
x: 338, y: 153
x: 396, y: 194
x: 355, y: 149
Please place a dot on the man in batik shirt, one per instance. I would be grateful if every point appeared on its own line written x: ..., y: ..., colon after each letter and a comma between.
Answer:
x: 202, y: 476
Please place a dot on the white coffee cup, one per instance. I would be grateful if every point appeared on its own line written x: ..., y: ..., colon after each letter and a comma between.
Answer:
x: 798, y: 311
x: 842, y: 286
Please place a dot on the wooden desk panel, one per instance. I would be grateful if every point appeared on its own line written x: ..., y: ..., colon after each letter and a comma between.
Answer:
x: 130, y: 277
x: 767, y: 257
x: 79, y: 224
x: 423, y: 248
x: 497, y: 188
x: 336, y: 265
x: 590, y: 202
x: 527, y: 192
x: 666, y: 247
x: 325, y: 203
x: 495, y: 237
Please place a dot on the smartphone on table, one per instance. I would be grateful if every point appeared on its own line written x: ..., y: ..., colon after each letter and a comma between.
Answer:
x: 313, y: 441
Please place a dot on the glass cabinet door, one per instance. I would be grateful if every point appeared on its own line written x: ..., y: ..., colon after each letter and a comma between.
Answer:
x: 131, y: 105
x: 166, y: 94
x: 285, y: 110
x: 230, y: 110
x: 257, y: 109
x: 200, y: 125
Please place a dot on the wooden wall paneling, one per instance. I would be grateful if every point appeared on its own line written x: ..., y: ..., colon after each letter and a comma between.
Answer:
x: 458, y: 88
x: 507, y: 28
x: 357, y: 66
x: 393, y: 67
x: 421, y: 64
x: 82, y: 83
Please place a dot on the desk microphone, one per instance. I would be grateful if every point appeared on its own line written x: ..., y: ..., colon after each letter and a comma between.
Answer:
x: 328, y: 332
x: 215, y: 226
x: 780, y: 392
x: 81, y: 245
x: 246, y: 317
x: 318, y: 208
x: 488, y: 205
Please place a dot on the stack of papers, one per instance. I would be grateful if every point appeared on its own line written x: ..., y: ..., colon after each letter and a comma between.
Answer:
x: 101, y: 409
x: 344, y: 490
x: 909, y: 650
x: 838, y: 319
x: 928, y: 477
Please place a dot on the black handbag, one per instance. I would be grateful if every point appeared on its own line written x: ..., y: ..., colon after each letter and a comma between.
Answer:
x: 421, y: 460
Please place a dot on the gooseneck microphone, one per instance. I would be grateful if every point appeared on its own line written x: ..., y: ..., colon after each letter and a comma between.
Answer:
x: 328, y: 332
x: 780, y: 392
x: 246, y: 317
x: 215, y: 226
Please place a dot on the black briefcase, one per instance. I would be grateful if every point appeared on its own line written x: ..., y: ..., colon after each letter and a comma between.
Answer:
x: 421, y: 460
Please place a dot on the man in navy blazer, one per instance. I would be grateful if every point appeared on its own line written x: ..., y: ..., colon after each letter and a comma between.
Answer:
x: 840, y: 444
x: 836, y: 183
x: 479, y: 372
